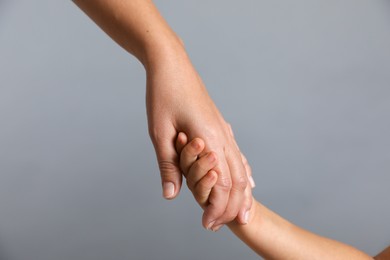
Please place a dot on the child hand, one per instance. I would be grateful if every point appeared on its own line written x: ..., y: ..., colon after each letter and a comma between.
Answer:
x: 198, y: 170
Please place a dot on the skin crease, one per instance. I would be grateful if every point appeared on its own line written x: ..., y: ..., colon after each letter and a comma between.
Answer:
x: 267, y: 233
x: 176, y: 100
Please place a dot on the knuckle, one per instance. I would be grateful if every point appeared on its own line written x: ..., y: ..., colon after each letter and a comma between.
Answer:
x: 211, y: 133
x: 167, y: 168
x: 204, y: 186
x: 196, y: 144
x: 214, y: 202
x: 230, y: 129
x: 244, y: 159
x: 228, y: 216
x: 199, y: 167
x: 240, y: 184
x: 225, y: 184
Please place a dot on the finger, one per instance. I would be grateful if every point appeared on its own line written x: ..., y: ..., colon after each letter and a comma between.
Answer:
x: 236, y: 195
x: 243, y: 214
x: 219, y: 195
x: 190, y: 153
x: 232, y: 135
x: 203, y: 188
x: 248, y: 171
x: 171, y: 177
x: 248, y: 199
x: 200, y: 168
x: 230, y: 129
x: 181, y: 141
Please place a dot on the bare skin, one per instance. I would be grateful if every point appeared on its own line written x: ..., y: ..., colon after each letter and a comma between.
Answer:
x: 267, y: 233
x: 176, y: 100
x: 384, y: 255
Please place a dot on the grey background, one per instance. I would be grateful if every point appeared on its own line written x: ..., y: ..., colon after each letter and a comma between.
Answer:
x: 305, y: 85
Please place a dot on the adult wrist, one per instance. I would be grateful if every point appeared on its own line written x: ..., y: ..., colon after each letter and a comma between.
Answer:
x: 166, y: 50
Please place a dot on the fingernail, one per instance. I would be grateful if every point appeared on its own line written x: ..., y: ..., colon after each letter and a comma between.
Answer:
x: 196, y: 145
x: 210, y: 225
x: 252, y: 182
x: 168, y: 190
x: 246, y: 217
x: 211, y: 157
x: 215, y: 229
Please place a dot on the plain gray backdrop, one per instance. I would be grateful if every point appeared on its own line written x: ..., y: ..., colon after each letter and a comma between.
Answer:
x: 305, y: 85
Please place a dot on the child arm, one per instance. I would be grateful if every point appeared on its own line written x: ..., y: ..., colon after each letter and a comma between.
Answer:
x: 266, y: 233
x: 273, y: 237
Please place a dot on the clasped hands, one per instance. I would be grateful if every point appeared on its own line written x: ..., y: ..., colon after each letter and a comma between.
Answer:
x: 201, y: 177
x: 177, y: 101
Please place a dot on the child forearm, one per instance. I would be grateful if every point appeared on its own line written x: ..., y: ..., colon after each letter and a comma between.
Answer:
x: 273, y: 237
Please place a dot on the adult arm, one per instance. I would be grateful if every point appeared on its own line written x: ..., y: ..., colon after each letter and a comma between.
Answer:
x: 176, y: 100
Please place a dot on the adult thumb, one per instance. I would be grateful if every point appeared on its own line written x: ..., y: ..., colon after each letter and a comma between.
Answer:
x: 168, y: 163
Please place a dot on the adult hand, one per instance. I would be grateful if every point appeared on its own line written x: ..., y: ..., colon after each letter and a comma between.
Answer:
x: 177, y: 101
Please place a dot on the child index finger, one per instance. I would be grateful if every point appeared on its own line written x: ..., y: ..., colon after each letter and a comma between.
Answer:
x: 203, y: 188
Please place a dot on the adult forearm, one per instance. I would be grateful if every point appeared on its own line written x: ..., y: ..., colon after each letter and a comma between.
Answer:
x: 137, y: 26
x: 273, y: 237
